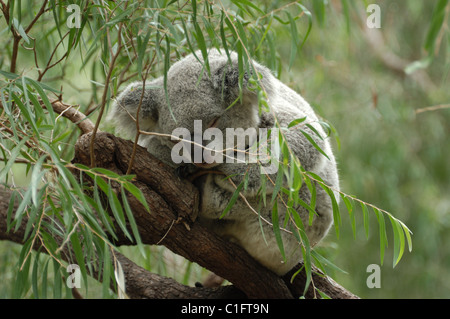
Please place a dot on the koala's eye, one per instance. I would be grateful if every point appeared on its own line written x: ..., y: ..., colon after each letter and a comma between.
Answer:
x: 213, y: 123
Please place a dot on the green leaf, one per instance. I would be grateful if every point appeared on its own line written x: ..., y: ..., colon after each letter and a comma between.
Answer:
x: 18, y: 27
x: 20, y: 212
x: 102, y: 213
x: 326, y: 262
x: 26, y: 113
x: 408, y: 236
x: 120, y: 280
x: 34, y: 277
x: 309, y: 16
x: 166, y: 71
x: 399, y: 240
x: 40, y: 87
x: 383, y: 236
x: 278, y: 182
x: 198, y: 34
x: 334, y: 203
x: 117, y: 210
x: 137, y: 193
x: 312, y: 128
x: 239, y: 4
x: 297, y: 121
x: 365, y: 219
x: 194, y: 11
x: 14, y: 153
x: 437, y: 21
x: 132, y: 221
x: 79, y: 255
x: 418, y: 65
x: 276, y: 229
x: 319, y: 10
x: 36, y: 177
x: 306, y: 253
x: 336, y: 212
x: 312, y: 189
x: 294, y: 40
x: 44, y: 283
x: 121, y: 16
x: 107, y: 270
x: 311, y: 140
x: 141, y: 48
x: 57, y: 294
x: 233, y: 199
x: 349, y: 204
x: 108, y: 173
x: 266, y: 31
x: 223, y: 36
x: 9, y: 75
x: 10, y: 210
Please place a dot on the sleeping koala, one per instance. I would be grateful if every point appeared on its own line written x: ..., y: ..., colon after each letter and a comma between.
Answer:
x: 216, y: 99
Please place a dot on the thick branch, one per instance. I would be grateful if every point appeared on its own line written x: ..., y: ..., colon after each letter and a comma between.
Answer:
x: 170, y: 223
x: 173, y: 206
x: 70, y: 112
x: 140, y: 283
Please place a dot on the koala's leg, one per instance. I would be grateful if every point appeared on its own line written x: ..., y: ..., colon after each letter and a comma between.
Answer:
x: 244, y: 227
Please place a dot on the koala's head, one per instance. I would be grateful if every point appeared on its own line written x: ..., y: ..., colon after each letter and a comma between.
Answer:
x: 192, y: 94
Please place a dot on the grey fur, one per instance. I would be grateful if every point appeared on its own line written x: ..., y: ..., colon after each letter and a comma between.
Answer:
x: 196, y: 95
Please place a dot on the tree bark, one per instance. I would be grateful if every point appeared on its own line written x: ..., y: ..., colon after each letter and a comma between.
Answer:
x: 171, y: 222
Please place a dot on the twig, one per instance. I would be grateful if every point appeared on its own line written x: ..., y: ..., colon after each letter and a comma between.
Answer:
x: 38, y: 15
x: 432, y: 108
x: 105, y: 93
x: 76, y: 117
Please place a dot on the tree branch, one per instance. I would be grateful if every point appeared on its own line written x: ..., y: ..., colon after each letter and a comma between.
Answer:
x: 140, y: 282
x: 76, y: 117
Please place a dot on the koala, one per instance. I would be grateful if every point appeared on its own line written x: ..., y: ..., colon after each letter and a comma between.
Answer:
x: 224, y: 98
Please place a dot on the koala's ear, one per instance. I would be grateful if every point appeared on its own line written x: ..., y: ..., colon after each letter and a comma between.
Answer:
x: 225, y: 78
x: 124, y: 111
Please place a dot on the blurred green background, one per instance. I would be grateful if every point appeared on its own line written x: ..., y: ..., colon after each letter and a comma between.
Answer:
x: 388, y: 154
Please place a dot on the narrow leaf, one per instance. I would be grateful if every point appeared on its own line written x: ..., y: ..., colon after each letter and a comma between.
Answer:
x: 232, y: 200
x: 276, y: 229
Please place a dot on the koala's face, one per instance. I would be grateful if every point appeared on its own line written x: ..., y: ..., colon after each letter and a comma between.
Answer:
x: 192, y: 95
